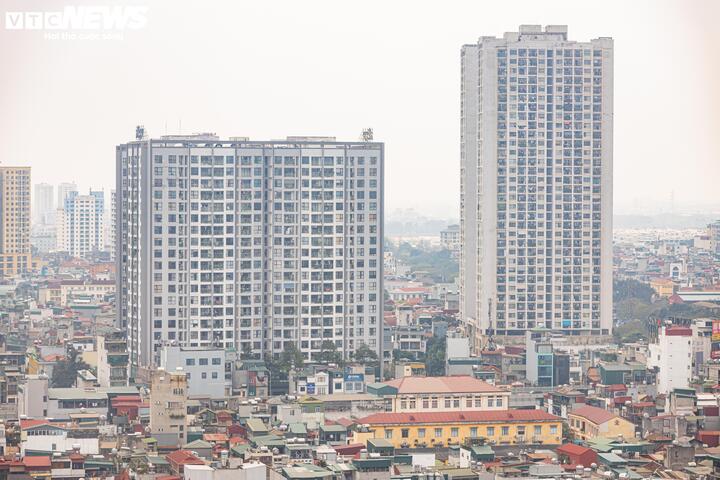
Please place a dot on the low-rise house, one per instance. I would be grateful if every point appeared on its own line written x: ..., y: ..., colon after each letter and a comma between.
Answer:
x: 43, y: 436
x: 574, y: 454
x: 590, y: 422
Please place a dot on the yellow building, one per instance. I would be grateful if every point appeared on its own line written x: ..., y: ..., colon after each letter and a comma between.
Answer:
x: 590, y: 422
x: 456, y: 393
x: 664, y: 287
x: 508, y: 427
x: 15, y: 255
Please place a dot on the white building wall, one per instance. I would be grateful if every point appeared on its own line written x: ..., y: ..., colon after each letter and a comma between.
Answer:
x: 59, y: 443
x: 673, y: 357
x: 205, y: 368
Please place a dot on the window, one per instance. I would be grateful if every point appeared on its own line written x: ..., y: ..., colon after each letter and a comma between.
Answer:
x: 438, y: 432
x: 216, y: 361
x: 553, y: 430
x: 490, y: 431
x: 388, y: 434
x: 505, y: 431
x: 421, y: 433
x: 454, y: 432
x: 404, y: 433
x: 189, y: 362
x: 537, y: 430
x: 203, y: 361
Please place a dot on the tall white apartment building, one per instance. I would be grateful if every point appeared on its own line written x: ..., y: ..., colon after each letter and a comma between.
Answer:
x: 256, y: 245
x: 536, y: 184
x: 80, y: 224
x: 43, y: 204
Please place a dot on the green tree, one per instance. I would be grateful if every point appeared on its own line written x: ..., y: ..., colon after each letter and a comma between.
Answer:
x: 65, y: 372
x: 329, y: 353
x: 366, y: 356
x: 435, y: 356
x: 289, y: 358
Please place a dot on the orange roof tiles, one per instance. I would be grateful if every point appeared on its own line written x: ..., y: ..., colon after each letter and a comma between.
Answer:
x: 572, y: 449
x: 594, y: 414
x: 451, y: 384
x: 183, y: 457
x: 458, y: 417
x: 36, y: 462
x: 30, y: 423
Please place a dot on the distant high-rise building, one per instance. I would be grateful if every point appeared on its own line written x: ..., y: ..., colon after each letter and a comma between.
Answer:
x: 43, y: 204
x: 63, y: 191
x: 256, y: 245
x: 100, y: 216
x: 15, y: 258
x: 80, y: 224
x: 111, y: 232
x: 536, y: 184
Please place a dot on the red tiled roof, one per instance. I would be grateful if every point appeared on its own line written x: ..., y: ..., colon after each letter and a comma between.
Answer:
x: 458, y: 417
x: 594, y: 414
x: 345, y: 422
x: 617, y: 387
x: 41, y: 461
x: 183, y: 457
x: 452, y: 384
x: 30, y: 423
x: 215, y: 437
x: 53, y: 357
x: 572, y: 449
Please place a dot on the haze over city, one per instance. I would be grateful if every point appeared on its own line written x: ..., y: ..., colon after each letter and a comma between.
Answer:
x: 293, y: 68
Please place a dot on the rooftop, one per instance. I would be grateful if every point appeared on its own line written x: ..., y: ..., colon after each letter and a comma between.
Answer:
x: 451, y: 384
x: 594, y: 414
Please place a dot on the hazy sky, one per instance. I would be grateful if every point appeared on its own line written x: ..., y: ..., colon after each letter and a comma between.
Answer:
x: 267, y: 69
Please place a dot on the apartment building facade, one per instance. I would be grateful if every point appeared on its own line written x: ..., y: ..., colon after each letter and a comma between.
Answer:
x: 15, y: 255
x: 536, y: 184
x: 256, y: 245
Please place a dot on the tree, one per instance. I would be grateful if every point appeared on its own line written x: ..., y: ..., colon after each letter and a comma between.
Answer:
x: 435, y: 356
x: 246, y: 353
x: 329, y: 353
x: 290, y: 357
x: 65, y: 372
x: 366, y: 356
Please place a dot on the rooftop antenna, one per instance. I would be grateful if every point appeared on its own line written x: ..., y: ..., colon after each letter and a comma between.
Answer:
x: 367, y: 134
x: 139, y: 132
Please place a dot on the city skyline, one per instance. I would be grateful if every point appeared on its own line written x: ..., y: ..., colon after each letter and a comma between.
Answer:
x: 382, y: 97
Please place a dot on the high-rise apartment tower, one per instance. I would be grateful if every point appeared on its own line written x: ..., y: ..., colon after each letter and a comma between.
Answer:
x: 256, y: 245
x: 536, y: 184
